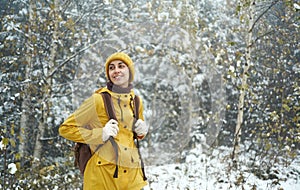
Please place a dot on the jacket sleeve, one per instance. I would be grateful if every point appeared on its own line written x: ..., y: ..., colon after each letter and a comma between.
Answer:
x: 84, y: 124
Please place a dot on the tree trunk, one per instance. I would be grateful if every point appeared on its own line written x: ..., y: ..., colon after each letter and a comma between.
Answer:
x: 26, y: 92
x: 47, y: 87
x: 249, y: 47
x: 243, y: 88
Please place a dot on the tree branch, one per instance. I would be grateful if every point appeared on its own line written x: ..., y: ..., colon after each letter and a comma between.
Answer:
x: 262, y: 14
x: 69, y: 58
x: 261, y: 36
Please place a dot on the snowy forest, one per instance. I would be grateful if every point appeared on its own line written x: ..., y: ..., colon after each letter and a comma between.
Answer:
x: 219, y: 80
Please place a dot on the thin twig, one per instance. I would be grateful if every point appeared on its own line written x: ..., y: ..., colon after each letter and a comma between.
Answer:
x: 71, y: 57
x: 262, y: 14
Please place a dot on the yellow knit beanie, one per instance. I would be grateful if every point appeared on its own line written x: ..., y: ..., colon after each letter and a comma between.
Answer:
x: 122, y: 57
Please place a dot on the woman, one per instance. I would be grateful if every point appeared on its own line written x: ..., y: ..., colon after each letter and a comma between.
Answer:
x: 90, y: 124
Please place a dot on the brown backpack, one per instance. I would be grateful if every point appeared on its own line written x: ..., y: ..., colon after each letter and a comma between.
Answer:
x: 83, y: 152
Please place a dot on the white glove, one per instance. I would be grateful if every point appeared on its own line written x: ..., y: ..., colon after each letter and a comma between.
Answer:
x: 110, y: 129
x: 141, y: 128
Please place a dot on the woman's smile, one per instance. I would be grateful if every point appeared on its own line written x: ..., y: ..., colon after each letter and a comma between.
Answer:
x: 119, y: 73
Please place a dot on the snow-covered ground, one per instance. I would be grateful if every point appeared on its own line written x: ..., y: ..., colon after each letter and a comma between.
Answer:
x: 212, y: 172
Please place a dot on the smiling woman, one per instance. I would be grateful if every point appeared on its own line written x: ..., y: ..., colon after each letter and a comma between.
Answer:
x: 116, y: 164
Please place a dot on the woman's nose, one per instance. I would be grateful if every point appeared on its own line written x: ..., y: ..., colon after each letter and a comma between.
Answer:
x: 117, y: 70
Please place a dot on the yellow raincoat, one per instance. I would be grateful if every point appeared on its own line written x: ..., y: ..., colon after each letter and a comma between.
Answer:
x: 100, y: 168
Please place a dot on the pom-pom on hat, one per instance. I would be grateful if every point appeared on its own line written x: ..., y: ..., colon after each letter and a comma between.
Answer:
x: 122, y: 57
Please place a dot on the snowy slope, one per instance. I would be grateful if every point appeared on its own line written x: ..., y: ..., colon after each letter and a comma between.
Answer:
x: 212, y: 172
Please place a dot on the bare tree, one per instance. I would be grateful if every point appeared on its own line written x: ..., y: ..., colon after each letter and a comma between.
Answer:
x: 253, y: 19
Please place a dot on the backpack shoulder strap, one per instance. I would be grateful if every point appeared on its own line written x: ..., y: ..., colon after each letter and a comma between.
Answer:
x: 108, y: 105
x: 112, y: 115
x: 136, y: 107
x: 136, y: 117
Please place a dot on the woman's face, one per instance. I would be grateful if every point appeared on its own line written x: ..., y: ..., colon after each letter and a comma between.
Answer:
x: 118, y: 73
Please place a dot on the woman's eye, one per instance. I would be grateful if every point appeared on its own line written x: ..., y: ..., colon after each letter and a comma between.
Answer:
x: 111, y: 67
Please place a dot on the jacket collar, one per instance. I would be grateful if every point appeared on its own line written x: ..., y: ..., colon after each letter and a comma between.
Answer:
x: 117, y: 89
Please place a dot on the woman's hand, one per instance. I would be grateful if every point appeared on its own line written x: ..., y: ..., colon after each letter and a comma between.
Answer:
x: 141, y: 128
x: 110, y: 129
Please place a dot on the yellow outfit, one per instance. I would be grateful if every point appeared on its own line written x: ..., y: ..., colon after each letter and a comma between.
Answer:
x: 101, y: 167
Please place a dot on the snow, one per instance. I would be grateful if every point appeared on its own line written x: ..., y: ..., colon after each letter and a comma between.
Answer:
x: 2, y: 146
x: 12, y: 168
x: 210, y: 172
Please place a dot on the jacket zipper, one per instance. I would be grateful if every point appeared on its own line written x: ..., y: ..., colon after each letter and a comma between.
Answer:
x: 119, y: 103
